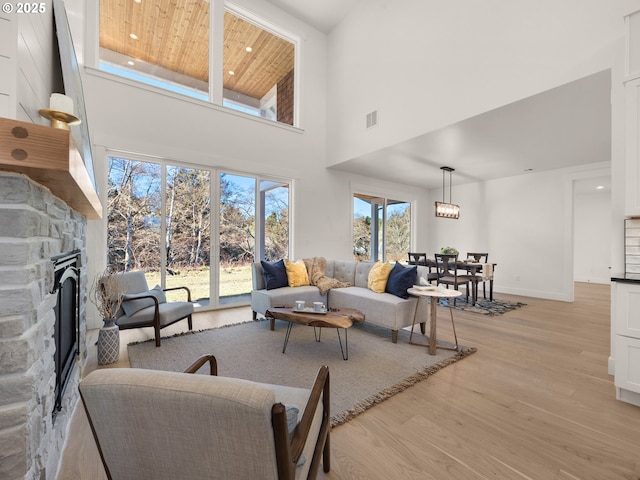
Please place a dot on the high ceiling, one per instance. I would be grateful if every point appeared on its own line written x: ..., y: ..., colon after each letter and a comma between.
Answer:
x: 321, y: 14
x: 567, y: 126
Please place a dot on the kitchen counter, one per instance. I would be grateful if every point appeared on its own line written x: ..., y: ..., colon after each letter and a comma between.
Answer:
x: 626, y: 278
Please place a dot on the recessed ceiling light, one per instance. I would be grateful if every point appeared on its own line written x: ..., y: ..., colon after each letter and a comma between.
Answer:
x: 138, y: 1
x: 599, y: 187
x: 133, y: 35
x: 248, y: 49
x: 231, y: 72
x: 130, y: 63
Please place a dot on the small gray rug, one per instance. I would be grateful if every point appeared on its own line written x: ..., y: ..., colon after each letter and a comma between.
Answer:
x: 482, y: 306
x: 376, y: 369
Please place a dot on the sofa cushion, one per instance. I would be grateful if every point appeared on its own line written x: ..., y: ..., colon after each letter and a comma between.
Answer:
x: 378, y: 276
x: 262, y: 300
x: 344, y: 270
x: 381, y: 309
x: 400, y: 279
x: 275, y: 274
x: 362, y: 274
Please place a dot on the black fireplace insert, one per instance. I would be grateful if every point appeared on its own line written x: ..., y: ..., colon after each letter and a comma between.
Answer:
x: 67, y: 328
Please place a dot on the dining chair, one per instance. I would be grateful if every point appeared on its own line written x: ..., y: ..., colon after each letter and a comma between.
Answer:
x: 421, y: 259
x: 417, y: 258
x: 480, y: 258
x: 448, y: 273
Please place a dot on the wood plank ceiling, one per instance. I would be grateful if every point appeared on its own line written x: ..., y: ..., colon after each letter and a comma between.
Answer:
x: 174, y: 34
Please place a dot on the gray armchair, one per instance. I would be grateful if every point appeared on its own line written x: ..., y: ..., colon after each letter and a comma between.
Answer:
x: 144, y: 307
x: 160, y: 425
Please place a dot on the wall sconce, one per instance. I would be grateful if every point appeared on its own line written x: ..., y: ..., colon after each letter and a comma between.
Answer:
x: 443, y: 209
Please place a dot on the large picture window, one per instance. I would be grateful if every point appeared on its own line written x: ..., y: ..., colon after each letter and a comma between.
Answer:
x: 167, y: 44
x: 160, y: 221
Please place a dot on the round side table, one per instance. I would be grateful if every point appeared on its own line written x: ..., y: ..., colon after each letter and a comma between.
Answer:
x: 434, y: 294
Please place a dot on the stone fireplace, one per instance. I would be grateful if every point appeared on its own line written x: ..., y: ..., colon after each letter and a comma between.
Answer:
x: 35, y: 227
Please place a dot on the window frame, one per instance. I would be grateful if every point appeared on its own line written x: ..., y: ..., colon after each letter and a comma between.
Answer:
x: 385, y: 197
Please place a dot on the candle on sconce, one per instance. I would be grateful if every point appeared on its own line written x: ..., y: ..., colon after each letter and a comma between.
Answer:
x: 61, y: 103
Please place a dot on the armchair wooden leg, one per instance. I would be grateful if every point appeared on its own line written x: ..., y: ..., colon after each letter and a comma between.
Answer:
x: 190, y: 322
x: 394, y: 336
x: 157, y: 331
x: 326, y: 454
x: 255, y: 316
x: 423, y: 327
x: 326, y: 403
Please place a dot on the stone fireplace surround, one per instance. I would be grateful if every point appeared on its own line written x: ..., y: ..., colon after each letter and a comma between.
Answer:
x: 35, y: 226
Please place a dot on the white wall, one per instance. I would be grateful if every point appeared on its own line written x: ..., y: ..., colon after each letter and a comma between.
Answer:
x: 524, y: 222
x: 425, y: 65
x: 592, y: 237
x: 28, y: 71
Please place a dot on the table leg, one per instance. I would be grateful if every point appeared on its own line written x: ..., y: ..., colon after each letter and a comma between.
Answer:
x: 433, y: 325
x: 286, y: 336
x: 413, y: 324
x: 474, y: 290
x: 346, y: 344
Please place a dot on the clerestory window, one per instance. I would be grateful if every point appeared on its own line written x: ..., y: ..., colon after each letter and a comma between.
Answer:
x: 171, y: 44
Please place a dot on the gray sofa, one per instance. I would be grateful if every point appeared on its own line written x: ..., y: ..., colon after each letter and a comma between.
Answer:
x: 383, y: 309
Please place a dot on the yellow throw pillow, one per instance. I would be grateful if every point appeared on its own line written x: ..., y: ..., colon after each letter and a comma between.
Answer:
x: 378, y: 276
x: 296, y: 273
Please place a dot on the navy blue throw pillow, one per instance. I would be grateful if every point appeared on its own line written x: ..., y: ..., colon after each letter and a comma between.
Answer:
x: 400, y: 279
x: 275, y: 274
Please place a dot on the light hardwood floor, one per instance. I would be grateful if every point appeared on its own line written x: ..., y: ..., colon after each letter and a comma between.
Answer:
x: 534, y: 402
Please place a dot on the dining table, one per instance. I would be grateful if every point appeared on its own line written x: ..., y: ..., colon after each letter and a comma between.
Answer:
x: 475, y: 271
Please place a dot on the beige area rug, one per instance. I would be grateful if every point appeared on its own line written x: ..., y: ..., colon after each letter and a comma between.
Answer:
x: 376, y: 369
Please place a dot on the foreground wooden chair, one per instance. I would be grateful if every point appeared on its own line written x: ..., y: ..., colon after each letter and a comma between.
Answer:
x: 160, y: 425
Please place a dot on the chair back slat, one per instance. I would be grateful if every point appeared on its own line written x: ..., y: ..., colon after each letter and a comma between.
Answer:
x: 417, y: 258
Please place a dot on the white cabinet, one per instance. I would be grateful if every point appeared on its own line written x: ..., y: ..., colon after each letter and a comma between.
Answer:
x: 626, y: 324
x: 627, y: 298
x: 628, y: 363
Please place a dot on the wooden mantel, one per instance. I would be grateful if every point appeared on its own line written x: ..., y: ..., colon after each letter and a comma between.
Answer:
x: 50, y: 157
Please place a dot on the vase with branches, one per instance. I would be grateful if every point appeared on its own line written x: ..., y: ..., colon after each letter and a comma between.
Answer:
x: 106, y: 294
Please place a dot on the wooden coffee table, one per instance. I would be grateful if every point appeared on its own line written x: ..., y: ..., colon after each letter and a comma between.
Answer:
x: 333, y: 318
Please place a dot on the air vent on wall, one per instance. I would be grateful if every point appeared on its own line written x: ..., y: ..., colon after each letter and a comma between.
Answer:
x: 372, y: 119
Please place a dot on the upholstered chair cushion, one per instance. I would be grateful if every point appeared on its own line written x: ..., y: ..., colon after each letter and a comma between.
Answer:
x: 131, y: 305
